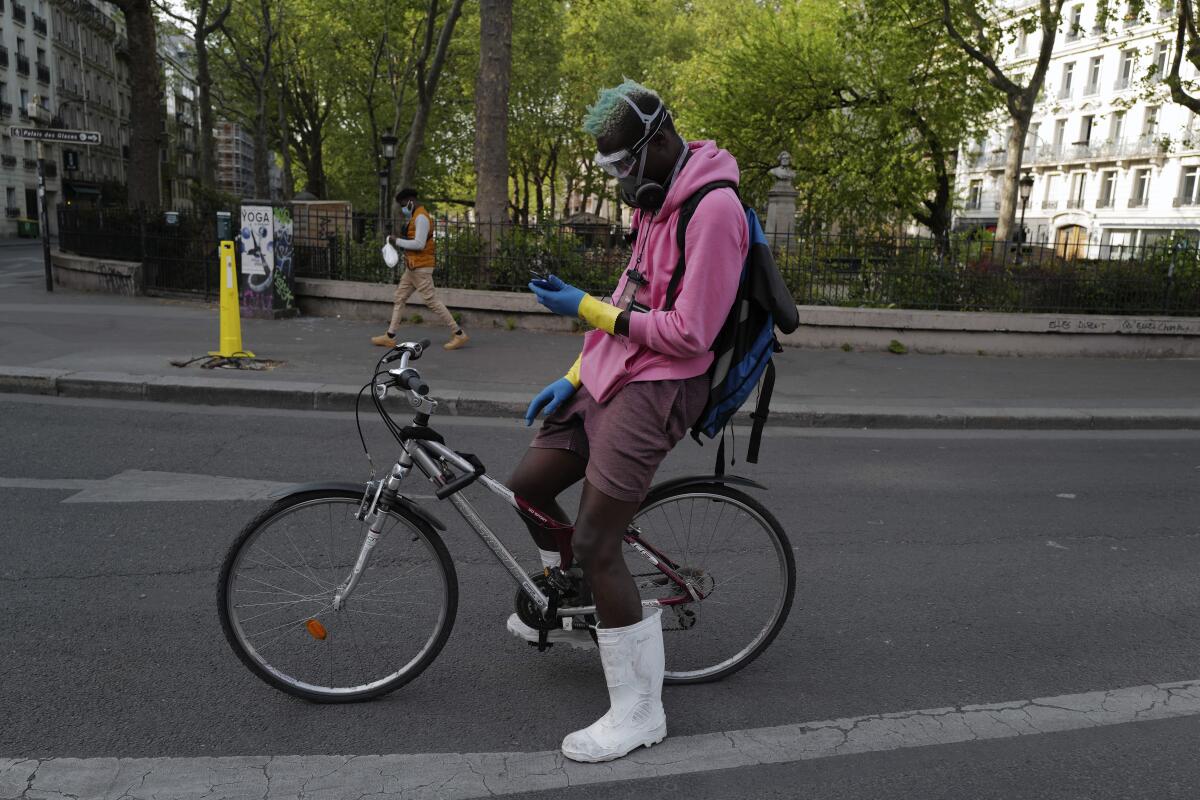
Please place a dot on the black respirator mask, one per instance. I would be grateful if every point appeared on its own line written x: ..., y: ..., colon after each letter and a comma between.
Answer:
x: 628, y: 165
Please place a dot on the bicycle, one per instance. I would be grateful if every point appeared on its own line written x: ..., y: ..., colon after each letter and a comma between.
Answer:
x: 341, y: 592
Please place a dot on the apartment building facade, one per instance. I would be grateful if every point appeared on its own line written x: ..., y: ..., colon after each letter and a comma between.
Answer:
x: 1115, y: 163
x: 91, y: 92
x: 25, y: 77
x: 180, y: 159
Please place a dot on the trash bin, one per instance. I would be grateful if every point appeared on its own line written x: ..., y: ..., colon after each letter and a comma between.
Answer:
x: 27, y: 228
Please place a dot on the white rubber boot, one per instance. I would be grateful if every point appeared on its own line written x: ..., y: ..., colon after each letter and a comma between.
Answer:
x: 578, y: 638
x: 633, y: 667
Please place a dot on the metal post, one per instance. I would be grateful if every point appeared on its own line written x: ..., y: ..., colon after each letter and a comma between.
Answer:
x: 1021, y: 231
x: 44, y: 215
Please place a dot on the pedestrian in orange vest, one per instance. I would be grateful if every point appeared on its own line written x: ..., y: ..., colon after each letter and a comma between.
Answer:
x: 418, y: 246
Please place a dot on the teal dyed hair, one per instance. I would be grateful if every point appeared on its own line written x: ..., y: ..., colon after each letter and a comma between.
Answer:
x: 610, y: 113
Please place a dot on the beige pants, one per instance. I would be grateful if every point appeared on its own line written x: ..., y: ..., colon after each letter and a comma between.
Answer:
x: 419, y: 280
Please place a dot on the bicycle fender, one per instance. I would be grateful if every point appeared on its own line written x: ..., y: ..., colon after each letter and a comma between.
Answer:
x: 358, y: 488
x: 692, y: 480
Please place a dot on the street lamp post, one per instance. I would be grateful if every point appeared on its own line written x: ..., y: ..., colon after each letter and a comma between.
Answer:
x: 388, y: 144
x: 1026, y: 189
x: 384, y: 204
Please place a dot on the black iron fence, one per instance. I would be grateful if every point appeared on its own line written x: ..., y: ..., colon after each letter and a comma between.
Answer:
x: 178, y: 254
x: 962, y: 274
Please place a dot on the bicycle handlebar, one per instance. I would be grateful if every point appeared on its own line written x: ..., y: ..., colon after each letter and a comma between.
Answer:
x: 410, y: 379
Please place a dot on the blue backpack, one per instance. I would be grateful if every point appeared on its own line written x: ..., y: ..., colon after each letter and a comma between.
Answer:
x: 743, y: 349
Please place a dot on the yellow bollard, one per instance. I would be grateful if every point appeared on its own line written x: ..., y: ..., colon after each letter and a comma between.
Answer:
x: 231, y: 321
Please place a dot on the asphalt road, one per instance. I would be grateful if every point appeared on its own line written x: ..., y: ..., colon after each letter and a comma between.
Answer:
x: 935, y: 569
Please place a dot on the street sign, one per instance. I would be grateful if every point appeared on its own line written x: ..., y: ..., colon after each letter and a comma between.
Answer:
x: 55, y: 135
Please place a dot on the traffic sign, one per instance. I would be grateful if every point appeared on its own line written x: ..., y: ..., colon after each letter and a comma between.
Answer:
x: 55, y: 135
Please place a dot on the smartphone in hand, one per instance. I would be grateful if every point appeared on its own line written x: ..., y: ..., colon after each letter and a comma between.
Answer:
x: 541, y: 279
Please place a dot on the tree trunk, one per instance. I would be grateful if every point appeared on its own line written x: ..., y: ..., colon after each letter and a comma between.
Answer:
x: 1012, y: 175
x: 145, y: 108
x: 208, y: 148
x: 491, y: 110
x: 427, y: 87
x: 285, y: 139
x: 262, y: 157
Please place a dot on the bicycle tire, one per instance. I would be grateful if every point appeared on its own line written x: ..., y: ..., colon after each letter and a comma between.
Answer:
x: 415, y: 525
x: 658, y: 499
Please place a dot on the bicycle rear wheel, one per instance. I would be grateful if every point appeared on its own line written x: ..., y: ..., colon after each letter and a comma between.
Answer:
x: 735, y: 554
x: 275, y: 598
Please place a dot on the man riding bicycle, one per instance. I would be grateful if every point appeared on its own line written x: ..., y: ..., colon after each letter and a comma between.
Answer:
x: 638, y: 385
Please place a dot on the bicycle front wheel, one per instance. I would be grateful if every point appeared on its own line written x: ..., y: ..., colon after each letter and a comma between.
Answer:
x: 735, y: 554
x: 277, y: 584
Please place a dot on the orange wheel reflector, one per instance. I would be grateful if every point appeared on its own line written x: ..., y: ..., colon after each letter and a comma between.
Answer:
x: 316, y: 629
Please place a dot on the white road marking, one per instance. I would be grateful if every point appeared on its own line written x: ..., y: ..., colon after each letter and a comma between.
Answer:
x: 140, y: 486
x: 1065, y: 496
x: 445, y: 776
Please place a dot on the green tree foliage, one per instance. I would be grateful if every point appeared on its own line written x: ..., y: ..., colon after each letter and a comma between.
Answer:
x: 869, y: 99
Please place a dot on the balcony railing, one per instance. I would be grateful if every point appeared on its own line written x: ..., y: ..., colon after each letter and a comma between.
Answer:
x: 43, y: 73
x: 22, y: 64
x: 39, y: 25
x: 3, y: 56
x: 1050, y: 204
x: 1139, y: 202
x: 1075, y: 202
x: 6, y: 110
x: 1143, y: 147
x: 12, y: 212
x: 31, y: 163
x: 8, y: 161
x: 19, y: 13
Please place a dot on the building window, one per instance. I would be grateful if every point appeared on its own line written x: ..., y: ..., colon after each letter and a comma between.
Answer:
x: 1125, y: 73
x: 1093, y: 79
x: 975, y: 196
x: 1158, y: 69
x: 1141, y: 189
x: 1189, y: 187
x: 1050, y: 198
x: 1022, y: 42
x: 1150, y: 123
x: 1085, y: 130
x: 1078, y: 188
x: 1116, y: 127
x: 1060, y: 136
x: 1108, y: 188
x: 1068, y: 75
x: 1075, y: 31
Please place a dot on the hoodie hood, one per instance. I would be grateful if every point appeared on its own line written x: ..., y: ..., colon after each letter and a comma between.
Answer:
x: 707, y: 163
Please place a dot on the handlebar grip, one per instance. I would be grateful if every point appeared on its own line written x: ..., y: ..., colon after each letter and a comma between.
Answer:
x: 425, y: 344
x: 409, y: 379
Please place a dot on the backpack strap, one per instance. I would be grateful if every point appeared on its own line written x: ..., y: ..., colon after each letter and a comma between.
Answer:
x: 761, y: 409
x: 685, y: 216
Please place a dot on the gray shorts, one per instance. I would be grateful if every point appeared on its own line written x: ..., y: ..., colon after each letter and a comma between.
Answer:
x: 625, y: 439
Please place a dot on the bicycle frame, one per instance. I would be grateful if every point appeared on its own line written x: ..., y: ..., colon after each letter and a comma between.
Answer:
x: 431, y: 457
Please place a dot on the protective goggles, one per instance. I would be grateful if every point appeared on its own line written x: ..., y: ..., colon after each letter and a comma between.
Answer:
x: 621, y: 163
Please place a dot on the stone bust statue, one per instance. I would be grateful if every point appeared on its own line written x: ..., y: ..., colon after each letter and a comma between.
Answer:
x: 783, y: 174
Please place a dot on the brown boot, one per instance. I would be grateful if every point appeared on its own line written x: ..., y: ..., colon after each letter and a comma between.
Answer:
x: 457, y: 340
x: 384, y: 340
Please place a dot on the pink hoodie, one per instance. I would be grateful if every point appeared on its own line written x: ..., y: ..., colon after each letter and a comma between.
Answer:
x: 673, y: 345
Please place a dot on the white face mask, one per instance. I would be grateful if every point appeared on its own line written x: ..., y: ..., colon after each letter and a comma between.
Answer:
x: 406, y: 209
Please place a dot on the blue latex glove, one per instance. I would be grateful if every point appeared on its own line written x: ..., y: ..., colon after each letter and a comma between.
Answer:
x: 551, y: 398
x: 561, y: 298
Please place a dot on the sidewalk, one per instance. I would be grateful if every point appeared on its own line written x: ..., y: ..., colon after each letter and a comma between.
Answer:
x: 102, y: 346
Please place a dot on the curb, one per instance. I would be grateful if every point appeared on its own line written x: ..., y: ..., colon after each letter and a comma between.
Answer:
x: 302, y: 396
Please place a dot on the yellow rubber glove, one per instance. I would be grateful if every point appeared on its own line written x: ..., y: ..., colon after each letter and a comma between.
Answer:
x: 573, y: 373
x: 599, y: 314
